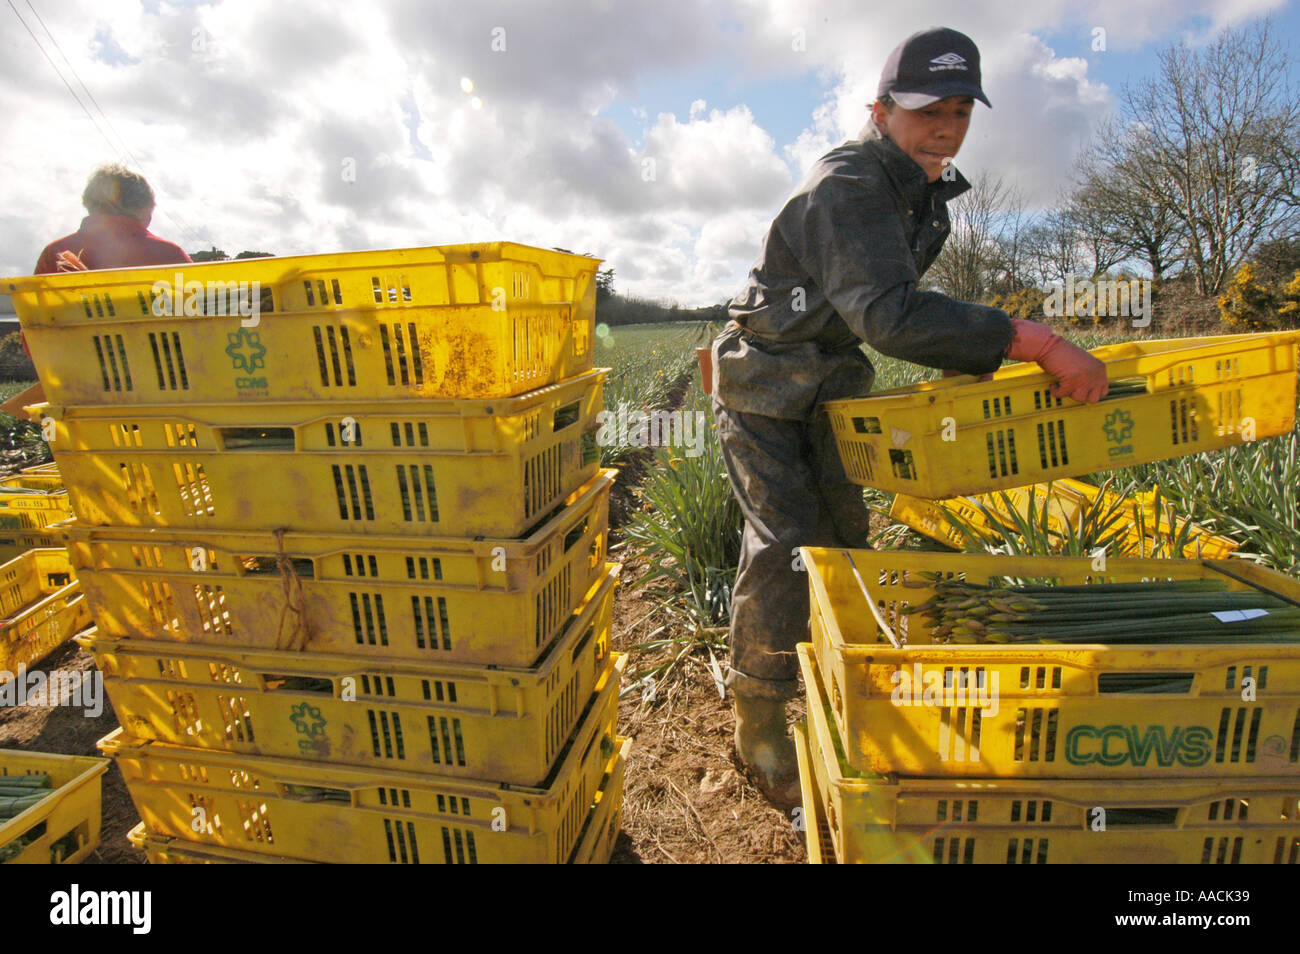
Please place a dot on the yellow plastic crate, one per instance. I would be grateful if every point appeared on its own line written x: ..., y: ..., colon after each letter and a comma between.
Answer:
x: 458, y: 721
x: 875, y: 819
x: 61, y: 829
x: 166, y: 850
x: 48, y: 470
x: 27, y: 509
x: 1201, y: 394
x: 1041, y: 710
x: 163, y: 849
x: 817, y: 834
x: 1063, y: 499
x: 606, y: 819
x: 14, y: 545
x: 43, y: 478
x: 458, y: 321
x: 453, y: 468
x: 43, y: 608
x: 433, y: 599
x: 599, y: 835
x: 332, y: 813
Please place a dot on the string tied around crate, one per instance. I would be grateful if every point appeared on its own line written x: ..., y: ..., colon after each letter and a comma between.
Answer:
x: 294, y: 599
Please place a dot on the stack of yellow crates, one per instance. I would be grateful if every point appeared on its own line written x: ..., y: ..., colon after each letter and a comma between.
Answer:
x: 40, y: 596
x: 1041, y: 753
x: 342, y: 528
x: 1068, y: 747
x: 31, y: 501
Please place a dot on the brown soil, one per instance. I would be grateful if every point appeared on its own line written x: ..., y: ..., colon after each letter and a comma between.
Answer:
x: 686, y: 799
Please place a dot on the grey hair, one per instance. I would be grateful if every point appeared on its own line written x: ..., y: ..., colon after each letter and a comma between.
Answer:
x: 117, y: 190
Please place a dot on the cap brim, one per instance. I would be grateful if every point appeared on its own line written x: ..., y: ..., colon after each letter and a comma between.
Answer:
x: 936, y: 93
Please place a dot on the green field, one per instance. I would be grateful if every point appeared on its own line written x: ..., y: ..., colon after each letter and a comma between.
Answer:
x: 689, y: 532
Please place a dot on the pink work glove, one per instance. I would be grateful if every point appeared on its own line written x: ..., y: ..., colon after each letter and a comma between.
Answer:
x: 1078, y: 374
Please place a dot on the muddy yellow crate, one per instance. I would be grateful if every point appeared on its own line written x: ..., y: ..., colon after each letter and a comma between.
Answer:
x: 817, y: 833
x: 1168, y: 399
x: 62, y: 828
x: 596, y: 847
x: 452, y: 468
x: 460, y: 321
x: 1046, y: 710
x: 332, y: 813
x: 1134, y: 523
x: 43, y: 608
x: 459, y: 721
x: 878, y: 819
x: 488, y: 602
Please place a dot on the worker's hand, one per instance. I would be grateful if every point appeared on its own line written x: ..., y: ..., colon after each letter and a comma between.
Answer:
x: 1078, y: 374
x: 70, y: 262
x: 953, y: 374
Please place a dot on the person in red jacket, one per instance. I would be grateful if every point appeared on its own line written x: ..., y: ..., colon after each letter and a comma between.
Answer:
x: 116, y: 232
x: 114, y: 235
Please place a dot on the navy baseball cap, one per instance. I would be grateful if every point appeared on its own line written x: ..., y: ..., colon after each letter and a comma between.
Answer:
x: 930, y: 66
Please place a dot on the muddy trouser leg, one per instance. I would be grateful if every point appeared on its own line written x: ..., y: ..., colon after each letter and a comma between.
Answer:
x: 791, y: 496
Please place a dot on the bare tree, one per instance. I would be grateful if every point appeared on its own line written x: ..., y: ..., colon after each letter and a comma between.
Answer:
x: 1121, y: 191
x: 1216, y: 128
x: 1101, y: 238
x: 1014, y: 267
x: 969, y: 262
x: 1052, y: 245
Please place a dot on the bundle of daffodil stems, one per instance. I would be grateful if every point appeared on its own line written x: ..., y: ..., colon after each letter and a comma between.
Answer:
x: 1179, y: 611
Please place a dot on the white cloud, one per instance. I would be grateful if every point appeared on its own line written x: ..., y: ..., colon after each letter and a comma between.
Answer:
x: 245, y: 115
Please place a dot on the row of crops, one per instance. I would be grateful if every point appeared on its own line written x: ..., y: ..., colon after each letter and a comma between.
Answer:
x: 689, y: 529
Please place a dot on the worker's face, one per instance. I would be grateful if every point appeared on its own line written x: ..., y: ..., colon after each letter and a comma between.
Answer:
x: 929, y: 134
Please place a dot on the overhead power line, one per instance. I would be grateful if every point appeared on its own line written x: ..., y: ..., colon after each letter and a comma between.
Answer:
x: 122, y: 151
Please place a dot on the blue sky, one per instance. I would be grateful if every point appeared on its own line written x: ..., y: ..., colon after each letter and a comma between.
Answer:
x: 246, y: 114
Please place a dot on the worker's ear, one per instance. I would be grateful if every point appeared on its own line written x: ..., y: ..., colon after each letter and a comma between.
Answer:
x: 879, y: 114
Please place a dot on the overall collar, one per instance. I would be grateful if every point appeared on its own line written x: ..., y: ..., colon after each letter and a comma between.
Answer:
x: 907, y: 174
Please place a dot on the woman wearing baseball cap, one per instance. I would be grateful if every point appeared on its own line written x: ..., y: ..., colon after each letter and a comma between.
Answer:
x: 841, y: 265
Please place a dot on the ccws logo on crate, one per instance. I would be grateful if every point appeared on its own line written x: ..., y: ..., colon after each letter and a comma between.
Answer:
x: 1113, y: 745
x: 1119, y: 429
x: 247, y: 354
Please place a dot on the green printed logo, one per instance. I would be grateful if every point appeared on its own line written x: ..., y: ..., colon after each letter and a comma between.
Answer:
x: 308, y: 720
x: 1119, y: 428
x: 1114, y: 745
x: 247, y: 354
x: 246, y: 350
